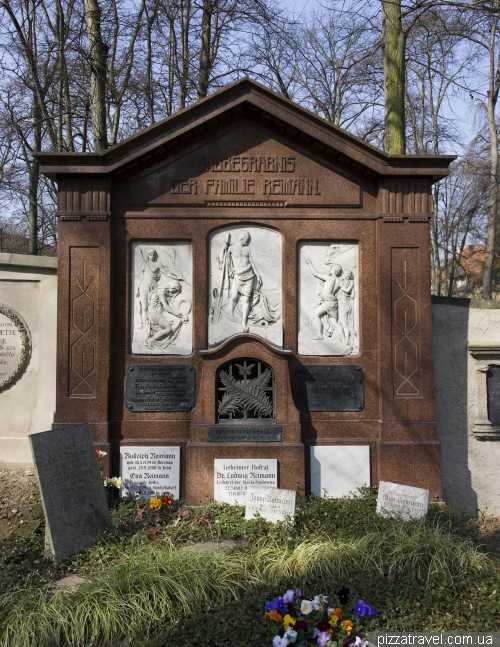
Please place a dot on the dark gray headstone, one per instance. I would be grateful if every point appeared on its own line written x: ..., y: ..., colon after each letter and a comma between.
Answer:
x: 71, y: 488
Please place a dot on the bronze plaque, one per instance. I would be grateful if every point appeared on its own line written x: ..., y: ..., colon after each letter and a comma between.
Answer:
x: 330, y: 388
x: 493, y: 387
x: 245, y: 434
x: 160, y: 387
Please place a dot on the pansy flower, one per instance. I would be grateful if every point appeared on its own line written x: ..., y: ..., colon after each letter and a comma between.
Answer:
x: 306, y: 607
x: 279, y: 641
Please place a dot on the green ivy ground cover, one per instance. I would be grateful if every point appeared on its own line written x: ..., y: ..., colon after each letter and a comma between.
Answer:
x: 405, y: 601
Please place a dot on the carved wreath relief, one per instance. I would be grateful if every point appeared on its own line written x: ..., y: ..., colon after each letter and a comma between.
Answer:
x: 328, y: 299
x: 15, y: 346
x: 162, y: 299
x: 245, y: 284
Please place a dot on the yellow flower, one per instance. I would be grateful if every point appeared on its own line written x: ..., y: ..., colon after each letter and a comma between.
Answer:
x: 334, y: 621
x: 288, y: 620
x: 274, y: 615
x: 347, y: 626
x: 154, y: 503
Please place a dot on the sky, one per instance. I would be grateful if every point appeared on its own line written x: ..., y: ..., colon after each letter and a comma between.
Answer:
x: 463, y: 109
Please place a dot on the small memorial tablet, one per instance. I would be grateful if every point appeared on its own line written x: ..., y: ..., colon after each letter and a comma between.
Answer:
x: 71, y: 488
x: 493, y: 388
x: 404, y: 501
x: 160, y: 387
x: 330, y: 388
x: 271, y: 503
x: 339, y: 470
x: 232, y: 476
x: 15, y: 346
x: 150, y: 470
x: 245, y: 434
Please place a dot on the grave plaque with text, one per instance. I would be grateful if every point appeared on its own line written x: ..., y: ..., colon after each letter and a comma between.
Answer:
x: 233, y: 475
x: 72, y: 492
x: 148, y: 470
x: 395, y: 500
x: 245, y: 434
x: 330, y: 388
x: 271, y: 503
x: 493, y: 388
x: 160, y: 387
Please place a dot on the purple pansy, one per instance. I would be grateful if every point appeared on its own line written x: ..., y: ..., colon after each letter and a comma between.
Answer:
x: 362, y: 609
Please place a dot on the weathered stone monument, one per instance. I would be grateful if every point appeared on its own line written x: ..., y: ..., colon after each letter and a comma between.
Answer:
x: 71, y: 489
x: 246, y: 281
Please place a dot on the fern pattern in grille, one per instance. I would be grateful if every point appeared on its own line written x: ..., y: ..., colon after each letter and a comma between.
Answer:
x: 245, y: 390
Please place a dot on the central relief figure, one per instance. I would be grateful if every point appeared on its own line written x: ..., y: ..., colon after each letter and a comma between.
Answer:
x: 245, y: 284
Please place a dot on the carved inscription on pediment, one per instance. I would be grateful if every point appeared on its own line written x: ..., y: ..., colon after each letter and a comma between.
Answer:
x: 242, y: 169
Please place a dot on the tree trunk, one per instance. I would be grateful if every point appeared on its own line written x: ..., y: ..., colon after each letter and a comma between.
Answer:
x: 98, y: 51
x: 185, y: 22
x: 393, y: 60
x: 33, y: 180
x: 204, y: 74
x: 493, y: 196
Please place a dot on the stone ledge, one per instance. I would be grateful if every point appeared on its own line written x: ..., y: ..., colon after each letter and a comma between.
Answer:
x: 26, y: 260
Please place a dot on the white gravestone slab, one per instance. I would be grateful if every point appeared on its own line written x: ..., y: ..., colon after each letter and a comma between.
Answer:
x: 233, y: 475
x: 150, y: 470
x: 395, y: 500
x: 271, y: 503
x: 328, y: 299
x: 162, y: 298
x: 245, y: 284
x: 339, y: 469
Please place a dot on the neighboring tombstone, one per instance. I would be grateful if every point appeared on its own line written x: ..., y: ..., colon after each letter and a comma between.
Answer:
x: 232, y: 476
x: 72, y: 492
x: 15, y: 346
x: 150, y: 470
x: 395, y: 500
x: 339, y: 470
x: 273, y: 504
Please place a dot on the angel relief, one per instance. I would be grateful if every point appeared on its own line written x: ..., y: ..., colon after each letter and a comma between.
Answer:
x: 162, y: 299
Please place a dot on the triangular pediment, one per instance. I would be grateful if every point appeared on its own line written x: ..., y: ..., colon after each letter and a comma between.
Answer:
x: 246, y: 100
x: 248, y: 163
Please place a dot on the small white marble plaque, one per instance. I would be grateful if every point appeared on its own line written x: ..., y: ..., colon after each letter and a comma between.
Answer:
x: 233, y: 475
x: 395, y: 500
x: 150, y: 470
x: 162, y: 298
x: 271, y: 503
x: 338, y: 470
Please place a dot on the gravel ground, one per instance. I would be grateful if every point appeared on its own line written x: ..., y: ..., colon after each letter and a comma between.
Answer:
x: 20, y: 508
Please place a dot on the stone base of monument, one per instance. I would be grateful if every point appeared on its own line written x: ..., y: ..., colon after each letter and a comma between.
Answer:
x: 201, y: 460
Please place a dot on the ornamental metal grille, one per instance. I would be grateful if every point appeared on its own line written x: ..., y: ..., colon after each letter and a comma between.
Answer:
x: 245, y: 391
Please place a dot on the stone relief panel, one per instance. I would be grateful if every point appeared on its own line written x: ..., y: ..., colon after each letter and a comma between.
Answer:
x: 15, y: 346
x: 245, y: 284
x: 328, y: 298
x: 162, y: 298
